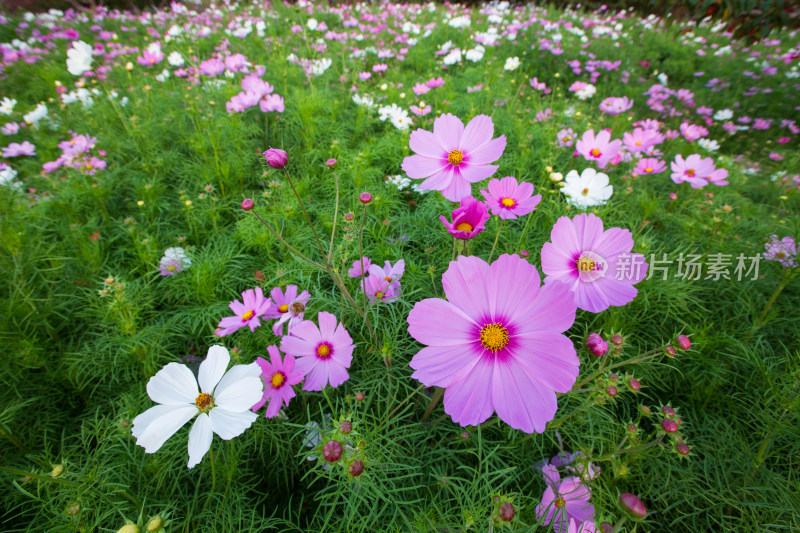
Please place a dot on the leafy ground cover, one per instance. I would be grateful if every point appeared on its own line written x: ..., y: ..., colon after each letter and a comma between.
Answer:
x: 576, y: 308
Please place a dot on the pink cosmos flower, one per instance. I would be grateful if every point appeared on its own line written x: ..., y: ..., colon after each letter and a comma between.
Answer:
x: 389, y: 272
x: 452, y: 157
x: 18, y: 149
x: 641, y: 139
x: 496, y: 343
x: 420, y: 89
x: 272, y: 102
x: 783, y: 251
x: 566, y: 137
x: 596, y: 265
x: 378, y: 289
x: 360, y: 267
x: 649, y: 165
x: 692, y: 132
x: 468, y: 219
x: 615, y: 105
x: 566, y: 502
x: 278, y: 377
x: 600, y: 148
x: 150, y: 57
x: 323, y: 354
x: 509, y: 199
x: 247, y: 313
x: 10, y: 128
x: 697, y: 171
x: 288, y: 306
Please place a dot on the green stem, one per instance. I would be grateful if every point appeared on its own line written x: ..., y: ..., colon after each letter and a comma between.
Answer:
x: 455, y: 243
x: 361, y: 254
x: 133, y: 499
x: 496, y: 237
x: 289, y: 246
x: 760, y: 322
x: 432, y: 404
x: 525, y: 231
x: 609, y: 456
x: 308, y: 218
x: 644, y: 357
x: 335, y: 217
x: 619, y: 524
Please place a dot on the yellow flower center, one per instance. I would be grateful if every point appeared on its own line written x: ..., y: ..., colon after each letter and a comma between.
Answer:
x: 455, y: 157
x: 648, y: 170
x: 171, y: 268
x: 595, y: 152
x: 283, y: 308
x: 277, y: 379
x: 585, y: 264
x: 508, y: 202
x: 323, y: 350
x: 388, y: 278
x: 585, y: 191
x: 494, y: 337
x: 204, y: 401
x: 560, y: 502
x: 638, y: 143
x: 248, y: 315
x: 780, y: 255
x: 464, y: 226
x: 690, y: 172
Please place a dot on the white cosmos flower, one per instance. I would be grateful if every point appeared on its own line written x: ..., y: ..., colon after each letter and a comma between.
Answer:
x: 589, y: 189
x: 7, y: 105
x: 222, y: 402
x: 79, y: 58
x: 708, y: 144
x: 511, y: 63
x: 38, y: 113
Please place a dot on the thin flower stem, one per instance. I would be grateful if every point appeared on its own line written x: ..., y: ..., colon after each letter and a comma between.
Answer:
x: 432, y: 404
x: 335, y: 217
x: 455, y: 243
x: 133, y: 499
x: 496, y: 237
x: 644, y: 357
x: 610, y: 456
x: 618, y: 525
x: 289, y: 246
x: 308, y: 218
x: 401, y: 404
x: 525, y: 231
x: 361, y: 253
x: 786, y: 279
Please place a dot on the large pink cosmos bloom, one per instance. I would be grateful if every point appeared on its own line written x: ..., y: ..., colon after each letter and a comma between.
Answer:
x: 496, y: 343
x: 596, y: 265
x: 278, y: 377
x: 453, y: 157
x: 600, y: 148
x: 323, y: 354
x: 566, y: 502
x: 469, y: 219
x: 510, y: 199
x: 697, y: 171
x: 253, y: 305
x: 288, y: 306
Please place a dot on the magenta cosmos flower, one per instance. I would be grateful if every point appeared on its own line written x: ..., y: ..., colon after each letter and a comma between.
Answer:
x: 254, y: 305
x: 360, y: 267
x: 509, y: 199
x: 649, y: 165
x: 278, y: 377
x: 288, y: 306
x: 566, y: 502
x: 453, y: 157
x: 469, y: 219
x: 596, y: 265
x: 496, y: 343
x: 600, y: 148
x: 323, y: 354
x: 697, y: 171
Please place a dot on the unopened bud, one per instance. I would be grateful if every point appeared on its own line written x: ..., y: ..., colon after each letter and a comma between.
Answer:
x: 669, y: 425
x: 74, y: 509
x: 259, y: 275
x: 524, y: 253
x: 507, y: 512
x: 356, y: 468
x: 632, y: 505
x: 57, y: 471
x: 155, y: 523
x: 682, y: 448
x: 345, y: 426
x: 606, y: 527
x: 330, y: 162
x: 276, y: 158
x: 248, y: 204
x: 634, y: 384
x: 349, y: 216
x: 611, y: 390
x: 129, y: 528
x: 555, y: 177
x: 667, y: 410
x: 128, y: 66
x: 613, y: 378
x: 632, y: 428
x: 596, y: 344
x: 646, y: 411
x: 332, y: 451
x: 365, y: 198
x: 670, y: 351
x: 617, y: 339
x: 359, y: 396
x: 683, y: 342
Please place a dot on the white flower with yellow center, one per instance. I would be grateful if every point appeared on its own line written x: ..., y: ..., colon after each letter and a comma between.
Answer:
x: 221, y: 404
x: 588, y: 189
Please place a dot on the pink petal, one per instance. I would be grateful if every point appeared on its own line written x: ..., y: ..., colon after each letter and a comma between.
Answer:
x: 426, y: 144
x: 478, y: 132
x: 469, y: 401
x: 448, y: 130
x: 475, y: 173
x: 549, y: 358
x: 437, y: 322
x: 512, y: 284
x: 521, y: 402
x: 488, y: 153
x: 440, y: 366
x: 553, y: 310
x: 418, y: 167
x: 465, y: 286
x: 457, y: 189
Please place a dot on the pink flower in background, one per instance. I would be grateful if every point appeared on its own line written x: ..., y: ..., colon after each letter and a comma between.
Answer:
x: 323, y: 353
x: 697, y: 171
x: 452, y: 156
x: 641, y: 139
x: 649, y: 165
x: 360, y: 267
x: 596, y: 264
x: 420, y: 111
x: 212, y: 67
x: 510, y: 199
x: 10, y: 128
x: 435, y: 82
x: 247, y: 312
x: 288, y: 306
x: 496, y: 343
x: 378, y: 289
x: 468, y: 219
x: 272, y: 102
x: 566, y: 137
x: 600, y: 148
x: 389, y: 272
x: 615, y: 105
x: 565, y: 506
x: 151, y: 56
x: 783, y: 251
x: 421, y: 88
x: 18, y: 149
x: 692, y: 132
x: 278, y: 377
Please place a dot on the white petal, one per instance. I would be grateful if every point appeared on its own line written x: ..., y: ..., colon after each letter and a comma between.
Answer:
x: 212, y: 369
x: 240, y: 389
x: 199, y: 439
x: 153, y: 427
x: 173, y: 385
x: 228, y: 425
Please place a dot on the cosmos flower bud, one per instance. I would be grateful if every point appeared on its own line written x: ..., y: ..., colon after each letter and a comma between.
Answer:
x: 555, y: 177
x: 360, y: 396
x: 155, y: 523
x: 524, y: 253
x: 646, y: 411
x: 330, y: 162
x: 670, y: 351
x: 682, y: 448
x: 632, y: 428
x: 669, y: 425
x: 365, y: 198
x: 668, y: 410
x: 632, y: 505
x: 332, y: 451
x: 349, y: 216
x: 129, y: 528
x: 683, y: 342
x: 616, y: 339
x: 57, y: 471
x: 248, y: 204
x: 259, y: 275
x: 507, y: 512
x: 356, y: 468
x: 611, y: 390
x: 345, y: 426
x: 634, y: 384
x: 276, y: 158
x: 596, y: 344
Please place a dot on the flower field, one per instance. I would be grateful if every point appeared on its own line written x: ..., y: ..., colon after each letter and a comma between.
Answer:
x: 397, y: 267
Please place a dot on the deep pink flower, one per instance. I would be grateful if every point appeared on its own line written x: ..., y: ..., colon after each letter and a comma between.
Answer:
x: 565, y: 502
x: 649, y: 165
x: 468, y: 219
x: 276, y: 158
x: 323, y: 354
x: 278, y: 377
x: 150, y: 57
x: 360, y: 267
x: 509, y: 199
x: 697, y: 171
x: 247, y: 313
x: 288, y: 306
x: 596, y: 344
x: 596, y: 265
x: 496, y: 343
x: 600, y: 148
x: 453, y: 157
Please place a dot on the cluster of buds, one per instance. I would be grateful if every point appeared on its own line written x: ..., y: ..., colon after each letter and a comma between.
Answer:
x: 599, y: 346
x: 111, y: 286
x: 504, y: 510
x: 682, y: 342
x: 670, y: 426
x: 612, y: 384
x: 338, y: 448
